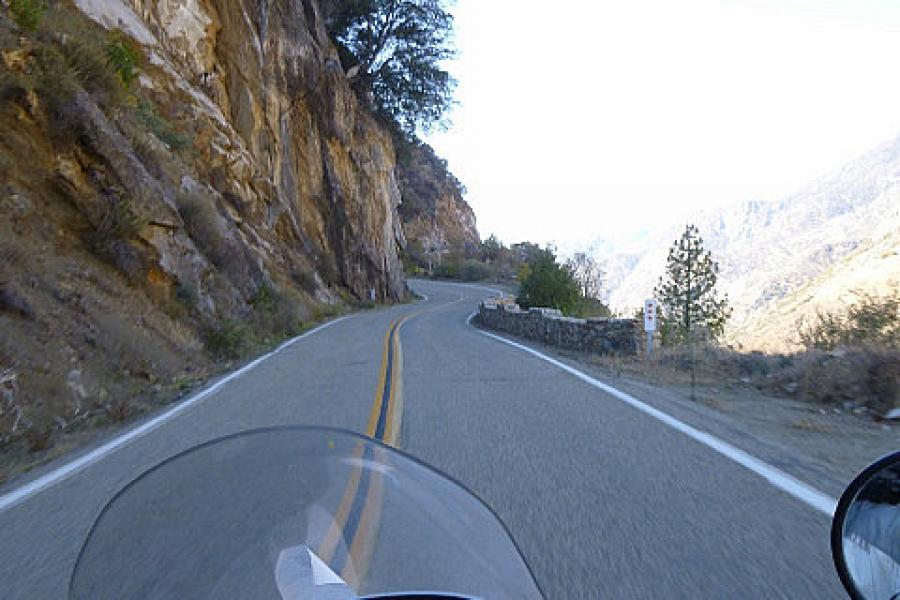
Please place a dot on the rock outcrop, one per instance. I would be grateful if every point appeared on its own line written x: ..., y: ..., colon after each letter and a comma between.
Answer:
x: 433, y: 209
x: 299, y: 170
x: 174, y: 174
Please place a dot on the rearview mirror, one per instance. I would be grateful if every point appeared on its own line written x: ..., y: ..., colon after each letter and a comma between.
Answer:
x: 865, y: 533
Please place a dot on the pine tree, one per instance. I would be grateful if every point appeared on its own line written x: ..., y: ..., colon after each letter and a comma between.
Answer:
x: 687, y: 292
x: 394, y: 52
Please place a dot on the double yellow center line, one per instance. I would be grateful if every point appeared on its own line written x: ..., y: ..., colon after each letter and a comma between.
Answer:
x: 357, y: 518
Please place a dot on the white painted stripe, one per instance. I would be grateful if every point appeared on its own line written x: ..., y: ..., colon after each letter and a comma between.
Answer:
x: 778, y: 478
x: 67, y: 470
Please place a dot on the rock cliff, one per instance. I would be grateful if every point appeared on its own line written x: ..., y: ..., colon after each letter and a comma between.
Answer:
x: 174, y: 173
x: 433, y: 209
x: 282, y: 147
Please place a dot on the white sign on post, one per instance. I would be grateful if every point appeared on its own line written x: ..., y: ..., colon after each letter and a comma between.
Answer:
x: 650, y: 315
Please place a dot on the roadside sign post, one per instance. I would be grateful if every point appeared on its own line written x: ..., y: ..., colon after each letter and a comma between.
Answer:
x: 650, y: 323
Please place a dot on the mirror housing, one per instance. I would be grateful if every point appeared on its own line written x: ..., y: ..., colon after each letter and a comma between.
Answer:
x: 865, y: 533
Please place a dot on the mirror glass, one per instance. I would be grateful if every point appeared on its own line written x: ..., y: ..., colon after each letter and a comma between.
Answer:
x: 871, y: 536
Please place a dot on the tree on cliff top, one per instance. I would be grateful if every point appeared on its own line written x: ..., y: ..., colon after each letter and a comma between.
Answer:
x: 688, y: 290
x: 392, y: 51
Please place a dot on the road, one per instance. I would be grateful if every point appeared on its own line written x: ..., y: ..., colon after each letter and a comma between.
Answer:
x: 604, y: 500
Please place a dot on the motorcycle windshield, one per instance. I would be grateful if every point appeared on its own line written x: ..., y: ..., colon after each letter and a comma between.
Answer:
x: 297, y: 513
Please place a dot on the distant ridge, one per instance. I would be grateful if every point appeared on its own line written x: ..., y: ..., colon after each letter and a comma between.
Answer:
x: 818, y: 248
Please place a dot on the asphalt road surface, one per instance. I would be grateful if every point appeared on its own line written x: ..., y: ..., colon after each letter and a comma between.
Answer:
x: 604, y: 500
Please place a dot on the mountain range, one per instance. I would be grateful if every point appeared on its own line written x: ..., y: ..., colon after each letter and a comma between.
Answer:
x: 817, y: 249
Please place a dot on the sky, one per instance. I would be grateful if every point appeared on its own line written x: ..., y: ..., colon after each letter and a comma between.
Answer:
x: 580, y: 119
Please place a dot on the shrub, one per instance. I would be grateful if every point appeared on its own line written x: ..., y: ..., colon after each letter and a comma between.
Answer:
x: 306, y: 279
x: 57, y: 81
x: 119, y: 222
x: 550, y: 285
x: 187, y: 295
x: 124, y: 56
x: 28, y: 13
x: 39, y: 437
x: 473, y: 270
x: 266, y: 299
x: 160, y: 127
x: 857, y: 375
x: 110, y: 239
x: 203, y: 225
x: 870, y: 321
x: 591, y: 307
x: 446, y: 271
x: 227, y: 339
x: 119, y: 410
x: 87, y: 62
x: 14, y: 86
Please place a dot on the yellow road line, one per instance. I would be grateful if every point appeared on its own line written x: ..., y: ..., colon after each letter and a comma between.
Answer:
x: 333, y: 536
x: 395, y: 407
x: 379, y: 390
x: 363, y: 543
x: 364, y: 540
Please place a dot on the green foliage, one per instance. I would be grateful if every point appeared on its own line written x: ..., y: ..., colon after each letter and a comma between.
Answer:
x: 121, y: 221
x: 265, y: 300
x: 473, y: 270
x: 688, y: 291
x: 125, y: 57
x: 491, y: 248
x: 87, y: 61
x: 110, y: 238
x: 70, y: 56
x: 592, y: 307
x: 549, y: 284
x: 464, y: 269
x: 57, y: 82
x: 28, y: 13
x: 398, y: 47
x: 872, y: 321
x: 160, y: 127
x: 228, y: 339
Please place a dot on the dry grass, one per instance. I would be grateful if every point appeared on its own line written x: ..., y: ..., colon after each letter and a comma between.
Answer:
x: 859, y: 376
x: 871, y: 321
x: 810, y: 425
x: 206, y: 227
x: 111, y: 239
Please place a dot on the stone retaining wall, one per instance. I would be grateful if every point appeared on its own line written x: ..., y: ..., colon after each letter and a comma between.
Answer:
x: 548, y: 325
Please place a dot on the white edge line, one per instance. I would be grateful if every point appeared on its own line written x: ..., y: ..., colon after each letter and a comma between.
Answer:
x: 778, y: 478
x: 67, y: 470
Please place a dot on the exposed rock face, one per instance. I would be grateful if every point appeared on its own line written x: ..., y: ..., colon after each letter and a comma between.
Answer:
x: 284, y: 149
x: 433, y: 207
x: 236, y: 185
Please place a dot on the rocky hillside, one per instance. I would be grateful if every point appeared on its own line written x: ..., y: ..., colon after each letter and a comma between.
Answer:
x: 433, y: 207
x: 781, y: 260
x: 172, y: 174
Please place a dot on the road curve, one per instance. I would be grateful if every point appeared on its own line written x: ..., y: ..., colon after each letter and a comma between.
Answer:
x: 604, y: 500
